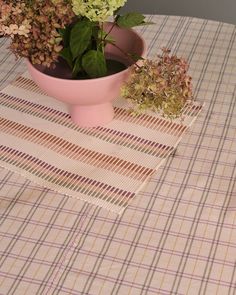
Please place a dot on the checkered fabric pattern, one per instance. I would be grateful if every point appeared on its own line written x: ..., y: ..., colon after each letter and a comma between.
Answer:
x: 178, y: 236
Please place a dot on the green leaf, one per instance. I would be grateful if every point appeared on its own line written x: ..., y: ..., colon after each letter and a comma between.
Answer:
x: 130, y: 20
x: 65, y: 34
x: 77, y: 67
x: 101, y: 38
x: 95, y: 32
x: 66, y: 54
x: 94, y: 64
x: 80, y: 37
x: 106, y: 37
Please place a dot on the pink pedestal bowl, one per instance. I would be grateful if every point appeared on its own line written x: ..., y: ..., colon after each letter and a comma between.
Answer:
x: 90, y: 100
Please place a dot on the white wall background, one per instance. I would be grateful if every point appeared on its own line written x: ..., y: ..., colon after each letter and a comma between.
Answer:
x: 221, y: 10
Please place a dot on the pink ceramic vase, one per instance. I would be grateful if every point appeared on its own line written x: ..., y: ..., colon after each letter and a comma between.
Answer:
x: 90, y: 100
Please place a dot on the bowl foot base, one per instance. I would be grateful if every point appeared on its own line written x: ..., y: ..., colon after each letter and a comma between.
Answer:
x: 92, y: 115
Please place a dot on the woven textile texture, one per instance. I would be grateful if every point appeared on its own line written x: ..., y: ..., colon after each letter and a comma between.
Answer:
x: 105, y: 166
x: 177, y: 236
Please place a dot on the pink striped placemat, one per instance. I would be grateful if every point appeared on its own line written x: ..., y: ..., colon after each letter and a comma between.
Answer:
x: 106, y: 166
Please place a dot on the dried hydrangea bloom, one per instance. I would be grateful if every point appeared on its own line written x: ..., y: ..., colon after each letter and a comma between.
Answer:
x: 5, y: 10
x: 33, y: 27
x: 162, y: 85
x: 14, y: 29
x: 96, y: 10
x: 24, y: 29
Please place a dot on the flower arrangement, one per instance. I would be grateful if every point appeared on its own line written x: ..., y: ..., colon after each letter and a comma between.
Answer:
x: 45, y: 31
x: 161, y: 85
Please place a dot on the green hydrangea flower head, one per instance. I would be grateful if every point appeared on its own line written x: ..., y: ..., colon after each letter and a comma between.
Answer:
x: 96, y: 10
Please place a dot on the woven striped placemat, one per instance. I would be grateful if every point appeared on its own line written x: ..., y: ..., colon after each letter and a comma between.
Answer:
x: 105, y: 166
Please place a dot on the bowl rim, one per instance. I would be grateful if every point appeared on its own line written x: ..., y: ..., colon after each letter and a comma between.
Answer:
x: 32, y: 68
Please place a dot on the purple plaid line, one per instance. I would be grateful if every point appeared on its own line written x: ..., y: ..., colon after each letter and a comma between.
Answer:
x: 183, y: 262
x: 154, y: 290
x: 13, y: 242
x: 30, y: 241
x: 32, y: 185
x: 81, y: 241
x: 42, y: 239
x: 39, y: 224
x: 13, y: 68
x: 193, y: 257
x: 185, y: 202
x: 24, y: 258
x: 47, y: 207
x: 182, y: 22
x: 196, y: 187
x: 202, y: 161
x: 5, y: 178
x: 75, y: 230
x: 207, y: 148
x: 160, y: 231
x: 217, y: 234
x: 233, y: 282
x: 34, y: 281
x: 215, y: 136
x: 35, y: 241
x: 126, y: 283
x: 5, y: 212
x: 231, y: 208
x: 132, y: 286
x: 157, y: 33
x: 151, y: 289
x: 26, y: 279
x: 70, y: 247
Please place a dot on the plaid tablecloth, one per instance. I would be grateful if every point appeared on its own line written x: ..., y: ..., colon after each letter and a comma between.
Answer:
x: 178, y: 236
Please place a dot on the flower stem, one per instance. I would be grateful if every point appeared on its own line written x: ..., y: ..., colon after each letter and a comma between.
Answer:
x: 127, y: 55
x: 113, y: 25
